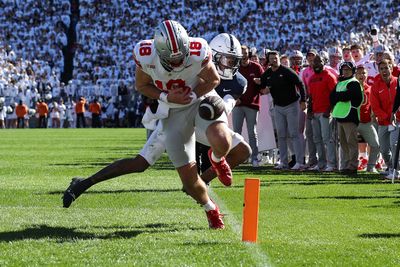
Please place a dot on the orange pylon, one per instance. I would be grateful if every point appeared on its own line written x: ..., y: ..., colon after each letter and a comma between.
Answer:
x: 250, y: 209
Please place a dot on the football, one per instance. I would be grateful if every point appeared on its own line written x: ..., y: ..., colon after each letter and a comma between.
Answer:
x: 211, y: 107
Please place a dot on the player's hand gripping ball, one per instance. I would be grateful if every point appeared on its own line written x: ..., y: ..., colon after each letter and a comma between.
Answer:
x: 211, y: 107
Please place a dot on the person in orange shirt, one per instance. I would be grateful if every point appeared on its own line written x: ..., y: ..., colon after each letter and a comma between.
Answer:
x: 95, y: 109
x: 42, y: 109
x: 80, y: 111
x: 21, y: 110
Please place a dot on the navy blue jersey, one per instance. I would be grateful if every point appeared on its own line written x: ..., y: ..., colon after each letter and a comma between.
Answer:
x: 235, y: 87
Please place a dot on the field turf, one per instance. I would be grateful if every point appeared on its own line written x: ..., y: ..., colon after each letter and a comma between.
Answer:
x: 144, y: 219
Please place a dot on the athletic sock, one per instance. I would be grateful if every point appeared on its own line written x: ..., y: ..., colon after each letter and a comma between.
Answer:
x: 214, y: 158
x: 209, y: 206
x: 84, y: 185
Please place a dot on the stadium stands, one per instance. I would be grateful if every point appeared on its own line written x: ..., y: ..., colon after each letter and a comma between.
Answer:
x: 32, y: 36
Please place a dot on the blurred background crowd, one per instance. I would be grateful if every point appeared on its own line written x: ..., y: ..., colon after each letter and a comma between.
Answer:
x: 61, y: 53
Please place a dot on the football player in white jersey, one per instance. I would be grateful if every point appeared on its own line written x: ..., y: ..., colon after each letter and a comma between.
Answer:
x: 178, y: 71
x: 372, y: 66
x: 226, y: 56
x: 183, y: 101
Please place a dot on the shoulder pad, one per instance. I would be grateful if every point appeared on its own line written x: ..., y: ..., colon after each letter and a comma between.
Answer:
x: 241, y: 79
x: 144, y: 53
x: 199, y: 51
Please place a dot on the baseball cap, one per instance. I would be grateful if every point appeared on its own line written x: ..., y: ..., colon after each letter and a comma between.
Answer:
x: 348, y: 64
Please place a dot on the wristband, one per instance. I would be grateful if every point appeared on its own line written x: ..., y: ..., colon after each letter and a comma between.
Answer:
x: 163, y: 97
x: 193, y: 96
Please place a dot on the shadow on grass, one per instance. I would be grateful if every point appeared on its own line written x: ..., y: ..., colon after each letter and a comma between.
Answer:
x: 346, y: 197
x: 305, y: 182
x: 80, y: 164
x: 395, y: 204
x: 160, y: 165
x: 380, y: 235
x: 64, y: 234
x: 121, y: 191
x: 205, y: 243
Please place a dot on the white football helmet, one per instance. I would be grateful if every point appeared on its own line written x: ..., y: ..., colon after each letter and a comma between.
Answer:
x: 380, y: 49
x: 227, y: 52
x: 172, y: 45
x: 335, y: 51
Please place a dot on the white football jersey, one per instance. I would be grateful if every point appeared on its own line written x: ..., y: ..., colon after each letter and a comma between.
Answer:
x: 146, y: 58
x: 372, y: 69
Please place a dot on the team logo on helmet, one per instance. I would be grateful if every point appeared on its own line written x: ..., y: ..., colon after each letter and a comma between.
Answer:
x: 172, y: 45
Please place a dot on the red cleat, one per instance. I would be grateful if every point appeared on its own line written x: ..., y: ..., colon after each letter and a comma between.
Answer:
x: 214, y: 218
x: 362, y: 164
x: 379, y: 164
x: 222, y: 169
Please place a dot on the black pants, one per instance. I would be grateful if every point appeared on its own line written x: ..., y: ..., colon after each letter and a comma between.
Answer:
x: 202, y: 160
x: 42, y: 122
x: 20, y: 122
x: 80, y: 120
x: 96, y: 121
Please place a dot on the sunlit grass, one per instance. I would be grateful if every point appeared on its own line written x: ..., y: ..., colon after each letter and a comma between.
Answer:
x: 306, y: 219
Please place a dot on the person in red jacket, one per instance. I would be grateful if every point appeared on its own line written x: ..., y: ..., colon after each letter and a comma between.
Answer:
x: 383, y: 93
x: 365, y: 128
x: 396, y: 69
x: 320, y: 85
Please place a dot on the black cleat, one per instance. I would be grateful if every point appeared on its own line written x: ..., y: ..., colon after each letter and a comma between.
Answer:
x: 73, y: 191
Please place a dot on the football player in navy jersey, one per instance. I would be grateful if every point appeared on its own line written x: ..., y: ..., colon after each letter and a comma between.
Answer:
x: 227, y: 53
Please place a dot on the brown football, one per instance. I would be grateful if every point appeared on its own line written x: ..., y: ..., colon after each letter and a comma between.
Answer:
x: 211, y: 107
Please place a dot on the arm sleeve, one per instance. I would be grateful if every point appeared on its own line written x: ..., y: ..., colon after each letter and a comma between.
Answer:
x: 264, y: 81
x: 300, y: 86
x: 230, y: 103
x: 375, y: 104
x: 396, y: 103
x: 356, y: 93
x: 333, y: 97
x: 351, y: 94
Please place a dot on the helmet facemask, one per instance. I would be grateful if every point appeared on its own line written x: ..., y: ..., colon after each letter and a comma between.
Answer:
x: 227, y: 53
x: 172, y: 45
x: 227, y: 65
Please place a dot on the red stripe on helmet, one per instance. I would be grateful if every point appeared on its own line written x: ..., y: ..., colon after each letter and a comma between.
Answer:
x: 172, y: 38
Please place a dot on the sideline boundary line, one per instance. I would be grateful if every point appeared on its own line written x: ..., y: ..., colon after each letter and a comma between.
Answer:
x: 254, y: 249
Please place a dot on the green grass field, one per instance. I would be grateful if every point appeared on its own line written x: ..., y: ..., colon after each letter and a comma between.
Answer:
x: 144, y: 219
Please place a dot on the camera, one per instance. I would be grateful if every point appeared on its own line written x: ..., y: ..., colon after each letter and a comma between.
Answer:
x: 374, y: 30
x: 374, y: 33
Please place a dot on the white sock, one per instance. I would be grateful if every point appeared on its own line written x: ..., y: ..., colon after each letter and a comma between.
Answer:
x: 214, y: 158
x: 209, y: 206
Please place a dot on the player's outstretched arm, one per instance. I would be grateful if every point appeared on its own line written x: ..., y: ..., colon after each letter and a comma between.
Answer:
x: 209, y: 79
x: 145, y: 85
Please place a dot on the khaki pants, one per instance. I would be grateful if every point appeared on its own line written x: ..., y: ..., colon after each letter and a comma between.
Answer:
x: 347, y: 132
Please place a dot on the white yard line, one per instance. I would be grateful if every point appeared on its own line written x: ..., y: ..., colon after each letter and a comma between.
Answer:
x: 254, y: 249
